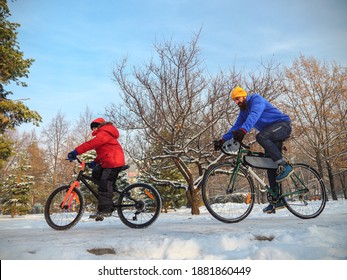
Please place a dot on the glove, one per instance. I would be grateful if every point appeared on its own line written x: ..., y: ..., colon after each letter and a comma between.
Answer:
x: 218, y: 144
x: 91, y: 164
x: 239, y: 134
x: 72, y: 155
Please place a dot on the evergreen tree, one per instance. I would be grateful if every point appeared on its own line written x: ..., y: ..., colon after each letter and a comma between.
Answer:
x: 123, y: 180
x: 15, y: 190
x: 13, y: 67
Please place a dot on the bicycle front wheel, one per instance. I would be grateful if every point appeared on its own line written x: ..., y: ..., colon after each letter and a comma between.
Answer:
x: 63, y: 217
x: 139, y: 205
x: 304, y: 192
x: 229, y: 198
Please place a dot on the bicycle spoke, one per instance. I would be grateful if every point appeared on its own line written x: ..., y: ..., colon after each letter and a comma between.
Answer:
x: 60, y: 215
x: 304, y: 192
x: 228, y: 198
x: 139, y: 205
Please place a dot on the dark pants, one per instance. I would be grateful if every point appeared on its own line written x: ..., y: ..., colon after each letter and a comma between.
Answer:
x: 105, y: 190
x: 271, y: 139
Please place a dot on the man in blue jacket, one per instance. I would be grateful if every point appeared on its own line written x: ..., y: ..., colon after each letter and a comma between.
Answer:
x: 273, y: 126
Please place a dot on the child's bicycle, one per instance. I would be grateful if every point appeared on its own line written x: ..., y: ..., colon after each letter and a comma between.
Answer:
x: 228, y: 188
x: 138, y: 205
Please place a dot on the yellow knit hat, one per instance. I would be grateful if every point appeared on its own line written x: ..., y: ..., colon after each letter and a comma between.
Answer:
x: 238, y: 92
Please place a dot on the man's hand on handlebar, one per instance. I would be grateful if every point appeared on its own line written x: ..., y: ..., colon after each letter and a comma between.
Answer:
x: 239, y: 134
x: 218, y: 144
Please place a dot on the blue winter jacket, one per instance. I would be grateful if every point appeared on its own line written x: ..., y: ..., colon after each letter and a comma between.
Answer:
x: 259, y: 114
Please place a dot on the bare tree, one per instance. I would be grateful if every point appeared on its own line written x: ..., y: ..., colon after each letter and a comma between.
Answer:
x: 54, y: 137
x: 266, y: 80
x: 38, y: 169
x: 316, y: 93
x: 82, y: 128
x: 170, y: 114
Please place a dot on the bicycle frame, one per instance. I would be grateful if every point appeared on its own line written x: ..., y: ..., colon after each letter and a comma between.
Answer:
x: 230, y: 198
x: 138, y: 205
x: 249, y: 170
x: 84, y: 179
x: 240, y: 162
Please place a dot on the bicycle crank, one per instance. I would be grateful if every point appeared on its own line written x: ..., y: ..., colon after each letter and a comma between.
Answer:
x: 273, y: 200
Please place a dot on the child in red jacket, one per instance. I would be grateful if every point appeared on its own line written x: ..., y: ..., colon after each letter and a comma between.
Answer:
x: 109, y: 159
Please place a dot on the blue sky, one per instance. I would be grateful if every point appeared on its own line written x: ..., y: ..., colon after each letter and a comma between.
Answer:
x: 76, y: 43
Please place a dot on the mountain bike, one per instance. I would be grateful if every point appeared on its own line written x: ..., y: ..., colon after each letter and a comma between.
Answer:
x: 138, y: 205
x: 228, y: 188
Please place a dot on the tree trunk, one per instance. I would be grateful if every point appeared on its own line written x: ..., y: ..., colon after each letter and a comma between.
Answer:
x: 331, y: 180
x: 193, y: 200
x: 343, y: 184
x: 13, y: 210
x: 319, y: 163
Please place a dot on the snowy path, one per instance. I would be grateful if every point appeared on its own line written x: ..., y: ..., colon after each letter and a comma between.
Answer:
x: 179, y: 236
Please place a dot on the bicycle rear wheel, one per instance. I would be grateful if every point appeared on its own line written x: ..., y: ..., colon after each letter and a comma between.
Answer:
x: 64, y: 217
x: 304, y: 192
x: 139, y: 205
x: 226, y: 203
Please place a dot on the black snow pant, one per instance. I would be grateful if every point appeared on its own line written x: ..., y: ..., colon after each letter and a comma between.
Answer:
x: 105, y: 190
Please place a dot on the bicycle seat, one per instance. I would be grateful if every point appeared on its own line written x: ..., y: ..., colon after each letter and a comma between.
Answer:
x: 124, y: 167
x: 288, y: 138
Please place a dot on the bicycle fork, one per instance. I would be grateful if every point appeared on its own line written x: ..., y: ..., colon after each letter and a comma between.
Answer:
x: 232, y: 182
x: 70, y: 196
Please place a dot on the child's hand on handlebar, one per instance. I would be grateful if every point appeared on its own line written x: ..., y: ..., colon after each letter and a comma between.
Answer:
x: 72, y: 155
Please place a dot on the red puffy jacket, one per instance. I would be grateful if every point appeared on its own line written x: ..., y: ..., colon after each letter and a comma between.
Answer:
x: 109, y: 152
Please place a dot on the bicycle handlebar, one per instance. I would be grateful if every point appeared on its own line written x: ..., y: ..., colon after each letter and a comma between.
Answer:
x: 82, y: 163
x: 71, y: 160
x: 231, y: 146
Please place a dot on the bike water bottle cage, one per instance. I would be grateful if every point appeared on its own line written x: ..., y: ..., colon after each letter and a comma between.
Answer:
x: 230, y: 147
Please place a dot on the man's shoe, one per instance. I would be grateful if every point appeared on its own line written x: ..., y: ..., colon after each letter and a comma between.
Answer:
x: 279, y: 205
x: 272, y: 208
x: 100, y: 215
x: 269, y: 209
x: 283, y: 172
x: 92, y: 216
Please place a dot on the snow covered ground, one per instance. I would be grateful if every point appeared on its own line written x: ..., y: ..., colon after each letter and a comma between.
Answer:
x: 181, y: 236
x: 197, y: 245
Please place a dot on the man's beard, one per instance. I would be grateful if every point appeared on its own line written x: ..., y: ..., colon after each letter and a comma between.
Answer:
x: 242, y: 106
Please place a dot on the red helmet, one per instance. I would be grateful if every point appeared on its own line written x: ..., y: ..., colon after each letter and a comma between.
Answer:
x: 96, y: 123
